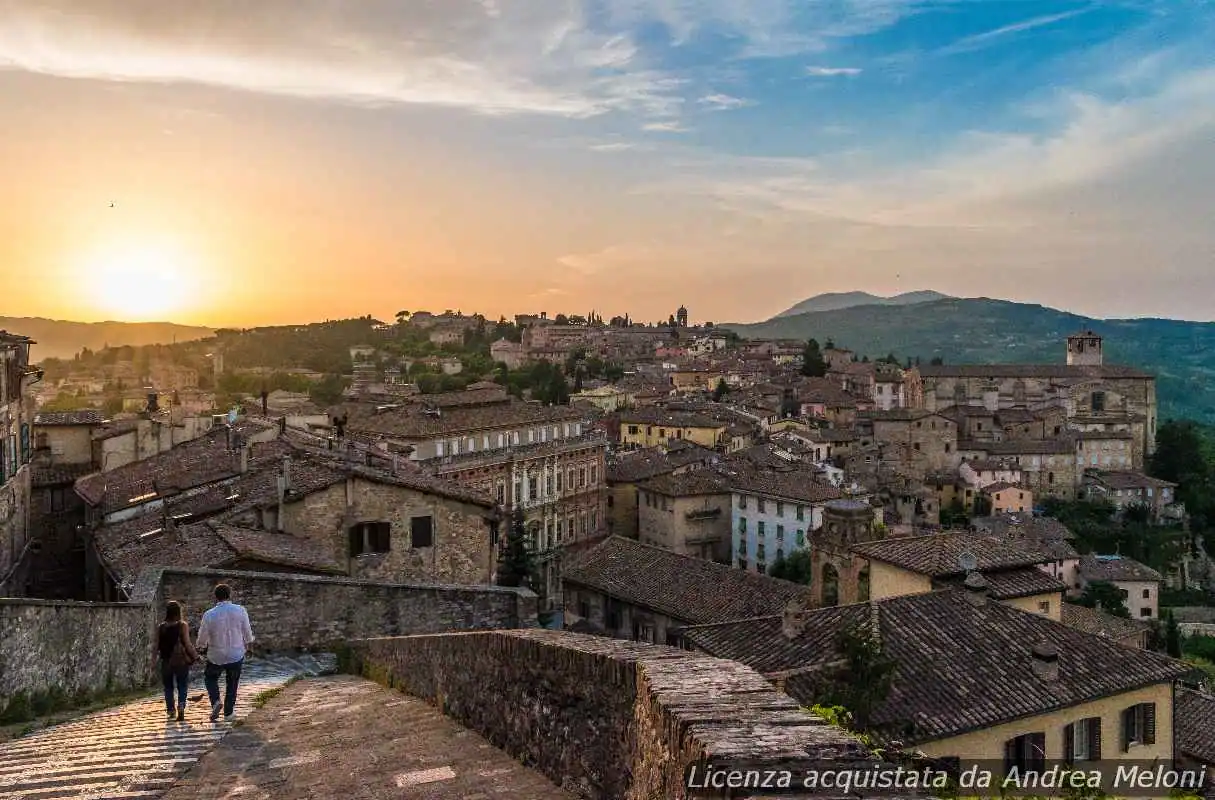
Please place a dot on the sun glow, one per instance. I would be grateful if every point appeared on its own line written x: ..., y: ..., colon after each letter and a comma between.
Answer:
x: 142, y: 282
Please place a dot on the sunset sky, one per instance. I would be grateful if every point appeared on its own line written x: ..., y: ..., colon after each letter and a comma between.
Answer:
x: 291, y: 160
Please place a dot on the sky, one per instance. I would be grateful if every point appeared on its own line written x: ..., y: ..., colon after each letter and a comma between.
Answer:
x: 283, y: 161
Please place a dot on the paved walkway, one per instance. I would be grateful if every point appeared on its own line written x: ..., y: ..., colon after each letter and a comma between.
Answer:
x: 131, y: 751
x: 346, y: 737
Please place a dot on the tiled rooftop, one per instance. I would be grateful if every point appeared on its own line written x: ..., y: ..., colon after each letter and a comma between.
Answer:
x: 1009, y: 584
x: 1127, y: 480
x: 1195, y: 719
x: 1116, y: 568
x: 691, y: 590
x: 796, y: 484
x: 414, y: 421
x: 692, y: 483
x: 1099, y: 623
x: 82, y: 417
x: 937, y: 555
x: 961, y: 666
x: 635, y: 465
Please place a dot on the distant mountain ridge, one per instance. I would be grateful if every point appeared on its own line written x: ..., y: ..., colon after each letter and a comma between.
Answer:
x: 62, y: 339
x: 986, y: 331
x: 834, y: 301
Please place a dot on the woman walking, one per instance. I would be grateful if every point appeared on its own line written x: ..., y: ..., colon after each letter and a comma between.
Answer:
x: 176, y: 655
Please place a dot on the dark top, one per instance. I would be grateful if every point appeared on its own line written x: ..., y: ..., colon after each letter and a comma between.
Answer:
x: 168, y: 635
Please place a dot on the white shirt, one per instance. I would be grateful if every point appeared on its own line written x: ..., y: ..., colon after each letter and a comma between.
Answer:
x: 225, y: 632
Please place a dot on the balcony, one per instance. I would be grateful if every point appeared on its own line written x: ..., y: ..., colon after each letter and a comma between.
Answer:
x: 702, y: 514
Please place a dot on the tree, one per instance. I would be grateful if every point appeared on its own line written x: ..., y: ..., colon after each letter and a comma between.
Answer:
x: 1182, y: 457
x: 1172, y: 636
x: 863, y: 681
x: 720, y: 390
x: 937, y: 361
x: 561, y: 319
x: 1105, y: 596
x: 829, y: 344
x: 517, y: 562
x: 813, y: 364
x: 794, y: 567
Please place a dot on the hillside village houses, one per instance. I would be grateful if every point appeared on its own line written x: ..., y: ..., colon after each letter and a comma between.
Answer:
x: 656, y: 507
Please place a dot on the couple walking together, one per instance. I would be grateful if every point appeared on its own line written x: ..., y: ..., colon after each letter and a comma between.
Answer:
x: 224, y: 635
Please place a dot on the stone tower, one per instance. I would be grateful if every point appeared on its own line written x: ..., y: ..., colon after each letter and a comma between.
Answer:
x: 1084, y: 349
x: 837, y: 576
x: 681, y: 317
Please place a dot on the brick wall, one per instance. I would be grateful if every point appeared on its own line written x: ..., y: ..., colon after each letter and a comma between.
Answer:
x: 99, y: 647
x: 602, y: 717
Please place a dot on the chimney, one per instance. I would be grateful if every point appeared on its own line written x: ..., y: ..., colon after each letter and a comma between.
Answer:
x: 244, y: 458
x: 286, y: 474
x: 976, y: 588
x: 1045, y: 661
x: 265, y: 403
x: 793, y: 620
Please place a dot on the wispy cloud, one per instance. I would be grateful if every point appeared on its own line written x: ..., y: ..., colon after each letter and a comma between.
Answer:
x: 980, y: 40
x: 832, y: 72
x: 664, y: 127
x: 723, y: 102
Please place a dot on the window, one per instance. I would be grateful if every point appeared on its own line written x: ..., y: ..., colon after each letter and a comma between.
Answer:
x: 1098, y: 402
x: 370, y: 537
x: 548, y: 483
x: 439, y: 446
x: 1145, y: 612
x: 801, y: 513
x: 1025, y: 753
x: 801, y: 537
x: 759, y: 504
x: 594, y: 475
x: 742, y: 525
x: 1138, y: 725
x: 1082, y: 740
x: 759, y: 528
x: 742, y: 502
x: 1044, y: 607
x: 558, y: 480
x: 421, y: 531
x: 58, y: 500
x: 581, y: 477
x: 533, y: 488
x: 584, y: 609
x: 780, y: 533
x: 780, y: 509
x: 1147, y: 594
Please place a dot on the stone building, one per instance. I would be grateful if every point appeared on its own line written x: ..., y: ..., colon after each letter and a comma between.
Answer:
x: 1139, y: 583
x: 546, y: 461
x: 627, y: 469
x: 687, y: 513
x: 1088, y: 391
x: 16, y: 376
x: 629, y: 590
x: 774, y: 512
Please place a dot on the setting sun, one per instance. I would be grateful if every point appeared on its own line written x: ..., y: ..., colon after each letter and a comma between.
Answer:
x: 150, y: 280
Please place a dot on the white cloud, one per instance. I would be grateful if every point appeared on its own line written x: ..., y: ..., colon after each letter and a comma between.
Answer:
x: 831, y: 72
x: 723, y: 102
x: 664, y: 127
x: 978, y: 40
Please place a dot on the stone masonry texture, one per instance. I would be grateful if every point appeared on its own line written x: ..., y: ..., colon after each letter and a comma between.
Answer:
x: 605, y: 718
x: 94, y: 648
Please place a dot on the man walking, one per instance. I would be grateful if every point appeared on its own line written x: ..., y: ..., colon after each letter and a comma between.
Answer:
x: 224, y: 634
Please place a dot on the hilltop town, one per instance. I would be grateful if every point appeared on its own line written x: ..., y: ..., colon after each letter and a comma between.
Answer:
x: 955, y: 561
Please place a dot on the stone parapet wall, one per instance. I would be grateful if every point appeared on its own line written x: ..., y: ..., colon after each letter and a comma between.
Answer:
x: 72, y: 649
x: 605, y: 718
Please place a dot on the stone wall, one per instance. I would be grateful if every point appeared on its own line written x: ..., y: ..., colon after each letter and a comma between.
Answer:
x: 14, y: 528
x: 71, y: 649
x: 93, y: 648
x: 605, y: 718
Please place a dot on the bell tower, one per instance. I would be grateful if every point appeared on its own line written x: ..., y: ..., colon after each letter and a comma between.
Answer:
x: 1084, y: 349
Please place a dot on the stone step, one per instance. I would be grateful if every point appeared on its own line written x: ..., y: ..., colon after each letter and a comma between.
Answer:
x: 132, y: 751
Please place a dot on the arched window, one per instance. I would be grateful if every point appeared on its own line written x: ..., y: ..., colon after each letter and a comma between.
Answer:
x: 831, y: 585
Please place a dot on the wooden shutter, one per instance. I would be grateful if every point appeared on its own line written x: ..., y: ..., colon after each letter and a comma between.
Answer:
x: 1010, y: 755
x: 356, y: 540
x: 1094, y: 738
x: 1149, y: 723
x: 421, y: 532
x: 1069, y: 743
x: 25, y: 443
x: 1127, y: 721
x: 382, y: 537
x: 1037, y: 746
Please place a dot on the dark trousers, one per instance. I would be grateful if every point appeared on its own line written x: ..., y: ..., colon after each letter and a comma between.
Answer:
x: 231, y: 673
x: 179, y: 677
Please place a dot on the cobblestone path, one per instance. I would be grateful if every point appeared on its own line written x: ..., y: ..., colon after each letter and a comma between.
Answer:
x: 131, y: 751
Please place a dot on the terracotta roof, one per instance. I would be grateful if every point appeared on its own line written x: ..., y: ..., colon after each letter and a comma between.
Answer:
x: 1023, y: 526
x: 797, y: 485
x: 961, y: 667
x: 654, y: 415
x: 937, y: 554
x: 1116, y: 568
x: 1000, y: 486
x: 410, y: 420
x: 687, y: 589
x: 282, y: 549
x: 634, y: 465
x: 1127, y: 480
x: 693, y: 483
x: 204, y: 460
x: 1009, y: 584
x: 1099, y: 623
x: 1194, y: 716
x: 1029, y: 371
x: 88, y: 416
x: 824, y: 391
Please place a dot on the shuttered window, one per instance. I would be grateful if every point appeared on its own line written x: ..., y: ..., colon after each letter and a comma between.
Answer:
x: 421, y: 532
x: 370, y: 537
x: 1138, y: 725
x: 1082, y: 740
x: 1025, y: 753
